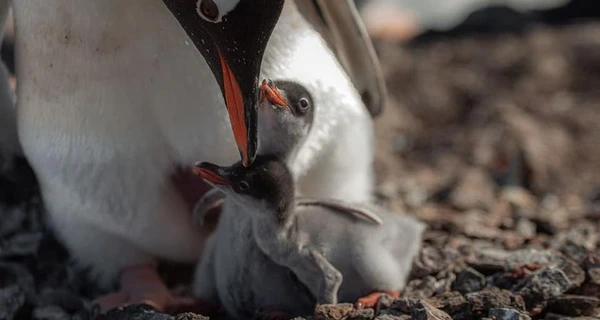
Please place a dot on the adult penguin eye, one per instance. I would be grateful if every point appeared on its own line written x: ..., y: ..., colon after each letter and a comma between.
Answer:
x: 209, y: 9
x: 243, y: 186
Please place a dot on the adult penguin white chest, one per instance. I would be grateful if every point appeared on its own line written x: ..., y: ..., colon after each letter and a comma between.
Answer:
x: 114, y: 98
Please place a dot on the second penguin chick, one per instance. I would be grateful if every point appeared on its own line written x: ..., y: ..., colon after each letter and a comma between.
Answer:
x: 264, y: 227
x: 285, y: 117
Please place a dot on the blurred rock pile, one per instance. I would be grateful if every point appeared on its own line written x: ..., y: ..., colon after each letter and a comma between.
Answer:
x: 37, y: 280
x: 492, y: 142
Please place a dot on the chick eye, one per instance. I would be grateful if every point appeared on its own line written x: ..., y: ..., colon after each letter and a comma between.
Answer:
x: 243, y: 185
x: 209, y: 9
x: 304, y: 103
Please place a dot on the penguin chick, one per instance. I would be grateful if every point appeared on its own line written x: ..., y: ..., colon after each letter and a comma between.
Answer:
x: 269, y: 243
x: 285, y: 117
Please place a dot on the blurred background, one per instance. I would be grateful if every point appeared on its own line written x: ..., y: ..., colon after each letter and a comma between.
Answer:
x: 491, y: 102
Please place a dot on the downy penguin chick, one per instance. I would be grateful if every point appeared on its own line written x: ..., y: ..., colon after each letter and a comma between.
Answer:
x: 285, y: 117
x: 247, y: 262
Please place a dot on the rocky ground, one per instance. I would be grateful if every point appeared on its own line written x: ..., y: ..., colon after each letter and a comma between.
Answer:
x: 492, y: 141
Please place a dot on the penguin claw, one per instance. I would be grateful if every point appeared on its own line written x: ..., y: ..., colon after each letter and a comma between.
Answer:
x: 372, y: 300
x: 143, y: 285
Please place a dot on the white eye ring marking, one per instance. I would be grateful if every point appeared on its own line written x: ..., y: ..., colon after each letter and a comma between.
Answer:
x: 224, y: 6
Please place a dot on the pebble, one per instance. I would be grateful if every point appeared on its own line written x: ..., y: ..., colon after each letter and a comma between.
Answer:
x: 543, y: 285
x: 491, y: 259
x: 555, y: 316
x: 574, y: 305
x: 428, y: 313
x: 450, y: 302
x: 469, y: 280
x: 490, y: 298
x: 188, y: 316
x: 343, y: 311
x: 507, y: 314
x: 417, y: 309
x: 391, y: 317
x: 16, y: 286
x: 22, y: 244
x: 577, y: 241
x: 431, y: 260
x: 592, y: 285
x: 135, y: 312
x: 421, y: 288
x: 12, y: 221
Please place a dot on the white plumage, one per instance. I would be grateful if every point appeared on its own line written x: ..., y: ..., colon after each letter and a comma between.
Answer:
x: 272, y: 250
x: 335, y: 256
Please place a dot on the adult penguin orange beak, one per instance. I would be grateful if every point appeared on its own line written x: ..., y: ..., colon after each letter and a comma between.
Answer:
x: 232, y: 36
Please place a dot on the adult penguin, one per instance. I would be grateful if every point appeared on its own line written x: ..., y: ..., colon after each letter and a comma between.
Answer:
x: 116, y: 101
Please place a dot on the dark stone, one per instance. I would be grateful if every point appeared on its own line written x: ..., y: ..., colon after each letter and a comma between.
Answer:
x: 19, y: 184
x: 507, y: 314
x: 333, y: 312
x: 469, y: 280
x: 594, y: 275
x: 429, y: 314
x: 591, y: 261
x: 12, y: 221
x: 491, y: 298
x: 391, y: 317
x: 444, y: 282
x: 431, y: 260
x: 542, y: 286
x: 556, y: 316
x: 19, y: 245
x: 591, y: 287
x: 418, y: 309
x: 343, y: 311
x: 451, y: 302
x: 500, y: 260
x: 361, y: 314
x: 188, y: 316
x: 573, y: 271
x: 421, y: 288
x: 134, y: 312
x: 16, y: 286
x: 573, y: 305
x: 577, y: 241
x: 385, y: 301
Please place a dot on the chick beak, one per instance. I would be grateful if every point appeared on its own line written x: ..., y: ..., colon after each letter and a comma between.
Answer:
x: 270, y: 92
x: 211, y: 173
